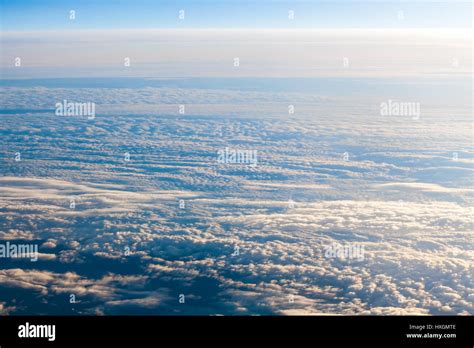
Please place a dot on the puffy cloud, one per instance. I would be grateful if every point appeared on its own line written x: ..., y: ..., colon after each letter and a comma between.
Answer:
x: 237, y: 239
x: 4, y: 310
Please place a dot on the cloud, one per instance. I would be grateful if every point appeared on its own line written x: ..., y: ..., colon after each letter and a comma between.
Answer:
x: 110, y: 290
x: 4, y: 310
x: 424, y: 187
x: 236, y: 239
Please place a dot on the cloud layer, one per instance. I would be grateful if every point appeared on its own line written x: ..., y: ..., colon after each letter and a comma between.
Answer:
x: 130, y: 236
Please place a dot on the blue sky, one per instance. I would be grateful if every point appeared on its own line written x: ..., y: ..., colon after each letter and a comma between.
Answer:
x: 54, y: 14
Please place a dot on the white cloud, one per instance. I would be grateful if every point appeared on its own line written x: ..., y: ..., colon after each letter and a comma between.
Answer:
x: 399, y: 194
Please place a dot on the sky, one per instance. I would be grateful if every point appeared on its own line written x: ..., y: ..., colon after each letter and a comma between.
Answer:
x: 148, y: 14
x: 324, y: 39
